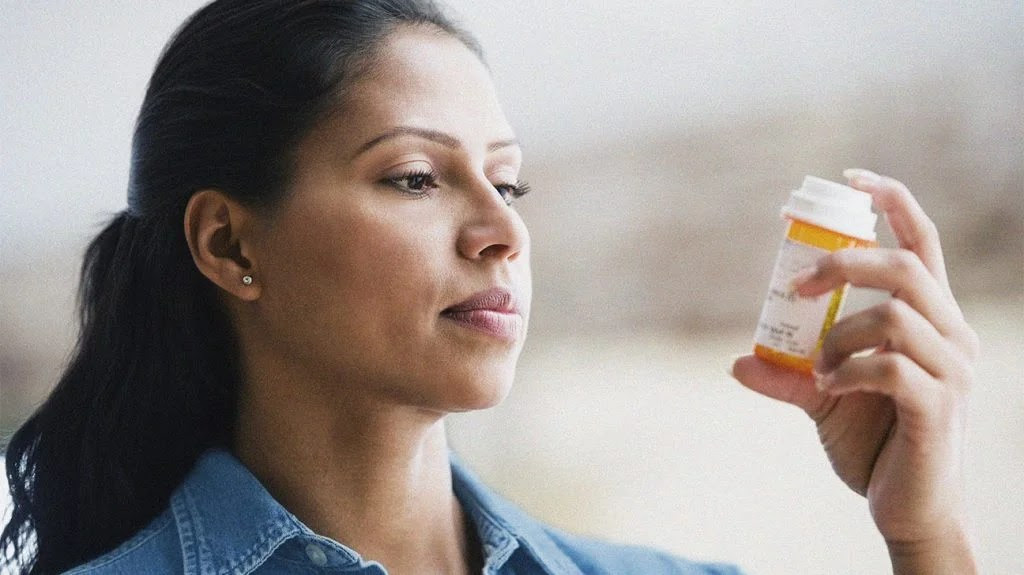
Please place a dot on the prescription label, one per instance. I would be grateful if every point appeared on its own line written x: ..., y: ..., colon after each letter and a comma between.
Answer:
x: 790, y: 323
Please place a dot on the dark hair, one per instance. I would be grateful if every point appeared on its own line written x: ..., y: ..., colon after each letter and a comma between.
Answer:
x: 153, y: 380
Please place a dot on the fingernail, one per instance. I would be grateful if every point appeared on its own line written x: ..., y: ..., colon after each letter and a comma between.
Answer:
x: 866, y: 176
x: 800, y: 277
x: 821, y: 381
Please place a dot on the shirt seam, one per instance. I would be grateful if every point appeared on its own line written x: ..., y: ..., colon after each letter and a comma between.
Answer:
x: 188, y: 533
x: 261, y: 551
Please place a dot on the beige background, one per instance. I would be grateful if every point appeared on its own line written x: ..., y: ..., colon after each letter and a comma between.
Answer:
x: 660, y: 141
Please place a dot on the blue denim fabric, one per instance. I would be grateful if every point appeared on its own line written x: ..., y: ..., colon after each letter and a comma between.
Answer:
x: 221, y: 520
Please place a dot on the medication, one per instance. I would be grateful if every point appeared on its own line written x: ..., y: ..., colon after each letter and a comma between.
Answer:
x: 823, y: 217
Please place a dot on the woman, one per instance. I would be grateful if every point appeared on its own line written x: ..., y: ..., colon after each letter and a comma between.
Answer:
x: 319, y: 261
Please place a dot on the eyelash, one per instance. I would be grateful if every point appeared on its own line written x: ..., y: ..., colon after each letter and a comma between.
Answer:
x: 396, y: 182
x: 508, y: 192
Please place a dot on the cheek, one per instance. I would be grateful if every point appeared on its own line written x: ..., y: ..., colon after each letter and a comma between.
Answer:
x: 384, y: 258
x: 359, y: 279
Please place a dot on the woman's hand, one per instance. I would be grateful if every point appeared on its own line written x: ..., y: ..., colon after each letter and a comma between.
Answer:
x: 892, y: 422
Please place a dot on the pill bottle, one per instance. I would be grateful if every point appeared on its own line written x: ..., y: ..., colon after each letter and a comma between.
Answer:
x: 822, y: 217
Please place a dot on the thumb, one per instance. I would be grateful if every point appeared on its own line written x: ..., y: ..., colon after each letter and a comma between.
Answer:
x: 776, y: 382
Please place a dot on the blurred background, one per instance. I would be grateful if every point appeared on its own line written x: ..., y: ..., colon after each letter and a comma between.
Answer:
x: 661, y: 138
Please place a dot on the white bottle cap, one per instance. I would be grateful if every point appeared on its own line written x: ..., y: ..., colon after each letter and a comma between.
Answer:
x: 833, y: 206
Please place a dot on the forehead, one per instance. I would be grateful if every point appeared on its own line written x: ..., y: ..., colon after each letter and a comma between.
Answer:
x: 425, y: 78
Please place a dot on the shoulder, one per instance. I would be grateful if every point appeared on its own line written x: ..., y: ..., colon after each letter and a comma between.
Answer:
x: 594, y: 556
x: 154, y: 549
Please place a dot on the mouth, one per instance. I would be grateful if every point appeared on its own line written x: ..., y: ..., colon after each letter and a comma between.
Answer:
x: 492, y: 312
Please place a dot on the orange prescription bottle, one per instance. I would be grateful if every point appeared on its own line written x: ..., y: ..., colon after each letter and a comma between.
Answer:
x: 823, y: 217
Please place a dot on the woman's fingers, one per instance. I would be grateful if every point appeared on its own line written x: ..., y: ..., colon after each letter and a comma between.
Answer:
x: 897, y: 271
x: 889, y: 373
x: 915, y: 273
x: 920, y: 336
x: 776, y: 382
x: 890, y: 326
x: 913, y: 229
x: 914, y: 392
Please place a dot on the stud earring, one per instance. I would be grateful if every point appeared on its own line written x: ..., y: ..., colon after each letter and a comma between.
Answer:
x: 247, y: 280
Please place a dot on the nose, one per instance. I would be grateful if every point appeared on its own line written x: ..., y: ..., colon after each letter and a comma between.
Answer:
x: 492, y: 229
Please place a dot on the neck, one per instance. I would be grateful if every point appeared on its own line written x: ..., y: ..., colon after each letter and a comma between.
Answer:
x: 376, y: 478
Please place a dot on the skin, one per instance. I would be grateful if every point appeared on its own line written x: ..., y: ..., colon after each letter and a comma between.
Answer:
x: 892, y: 422
x: 349, y: 367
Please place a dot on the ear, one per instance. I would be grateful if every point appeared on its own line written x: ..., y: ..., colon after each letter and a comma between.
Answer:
x: 216, y: 229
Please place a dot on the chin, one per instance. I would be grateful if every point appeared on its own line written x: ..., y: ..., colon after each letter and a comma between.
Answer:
x: 478, y: 390
x: 483, y: 401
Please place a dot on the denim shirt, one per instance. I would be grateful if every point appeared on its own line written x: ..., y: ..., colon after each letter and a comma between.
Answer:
x: 221, y: 520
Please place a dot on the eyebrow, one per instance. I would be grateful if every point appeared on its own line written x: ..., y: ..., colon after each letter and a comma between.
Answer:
x: 446, y: 140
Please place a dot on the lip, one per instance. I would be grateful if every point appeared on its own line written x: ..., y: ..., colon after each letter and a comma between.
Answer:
x: 494, y: 312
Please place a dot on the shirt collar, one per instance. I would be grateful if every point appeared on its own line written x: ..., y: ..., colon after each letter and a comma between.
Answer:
x: 229, y: 523
x: 506, y: 526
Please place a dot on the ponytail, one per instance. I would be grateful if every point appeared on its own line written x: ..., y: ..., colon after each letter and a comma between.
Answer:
x: 149, y: 386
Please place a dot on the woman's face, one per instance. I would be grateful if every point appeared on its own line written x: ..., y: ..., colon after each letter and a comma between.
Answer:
x: 396, y: 270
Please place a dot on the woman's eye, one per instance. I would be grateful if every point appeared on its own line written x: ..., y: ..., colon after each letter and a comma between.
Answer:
x: 417, y: 184
x: 509, y: 192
